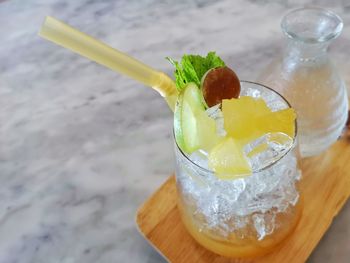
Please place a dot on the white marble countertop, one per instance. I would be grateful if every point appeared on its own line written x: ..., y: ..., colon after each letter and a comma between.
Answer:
x: 82, y: 147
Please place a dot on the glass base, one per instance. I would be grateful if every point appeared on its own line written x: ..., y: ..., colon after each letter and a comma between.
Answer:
x: 240, y: 247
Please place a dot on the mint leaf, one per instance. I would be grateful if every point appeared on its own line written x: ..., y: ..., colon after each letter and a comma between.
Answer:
x: 193, y: 67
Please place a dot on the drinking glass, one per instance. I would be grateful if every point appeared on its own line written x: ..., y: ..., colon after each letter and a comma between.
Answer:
x: 247, y: 216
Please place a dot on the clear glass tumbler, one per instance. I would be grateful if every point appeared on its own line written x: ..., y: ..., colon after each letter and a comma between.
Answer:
x: 244, y: 217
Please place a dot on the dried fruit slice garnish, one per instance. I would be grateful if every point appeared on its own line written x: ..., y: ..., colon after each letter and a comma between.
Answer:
x: 218, y: 84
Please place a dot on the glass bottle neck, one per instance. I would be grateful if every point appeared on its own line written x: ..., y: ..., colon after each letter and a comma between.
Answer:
x: 309, y: 32
x: 306, y: 51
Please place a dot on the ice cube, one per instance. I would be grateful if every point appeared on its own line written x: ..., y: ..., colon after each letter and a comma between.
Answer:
x: 267, y: 149
x: 251, y: 92
x: 230, y: 189
x: 264, y: 224
x: 200, y: 158
x: 277, y: 105
x: 216, y: 114
x: 214, y: 111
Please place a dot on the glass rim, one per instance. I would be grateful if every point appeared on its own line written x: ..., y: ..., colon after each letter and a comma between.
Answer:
x: 312, y: 40
x: 263, y: 168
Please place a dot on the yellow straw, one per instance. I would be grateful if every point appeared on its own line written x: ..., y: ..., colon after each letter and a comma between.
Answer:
x: 85, y: 45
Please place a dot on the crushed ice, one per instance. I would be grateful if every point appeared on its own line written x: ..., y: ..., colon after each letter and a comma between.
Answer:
x: 216, y: 114
x: 272, y: 147
x: 229, y: 205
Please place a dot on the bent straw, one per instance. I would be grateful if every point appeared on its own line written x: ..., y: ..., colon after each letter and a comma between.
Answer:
x: 85, y: 45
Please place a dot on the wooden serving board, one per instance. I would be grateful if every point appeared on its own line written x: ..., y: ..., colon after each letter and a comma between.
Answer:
x: 325, y: 188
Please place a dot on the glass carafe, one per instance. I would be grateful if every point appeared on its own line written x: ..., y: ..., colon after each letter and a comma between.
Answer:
x: 307, y: 78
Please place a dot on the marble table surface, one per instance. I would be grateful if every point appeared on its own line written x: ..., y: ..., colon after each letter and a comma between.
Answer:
x: 81, y: 147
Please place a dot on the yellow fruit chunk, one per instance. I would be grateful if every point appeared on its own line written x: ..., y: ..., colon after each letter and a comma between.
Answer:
x: 207, y: 137
x: 278, y: 121
x: 248, y: 118
x: 227, y: 160
x: 240, y: 117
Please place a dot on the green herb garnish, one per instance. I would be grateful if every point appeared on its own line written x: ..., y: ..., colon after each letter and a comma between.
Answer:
x: 193, y: 67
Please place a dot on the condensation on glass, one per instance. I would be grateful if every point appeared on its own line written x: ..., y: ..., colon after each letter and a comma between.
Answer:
x: 306, y: 77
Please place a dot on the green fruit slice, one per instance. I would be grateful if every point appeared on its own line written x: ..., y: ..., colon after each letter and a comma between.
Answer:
x: 193, y: 128
x: 187, y: 99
